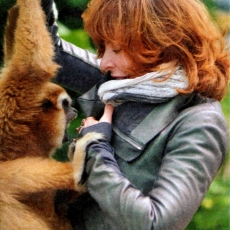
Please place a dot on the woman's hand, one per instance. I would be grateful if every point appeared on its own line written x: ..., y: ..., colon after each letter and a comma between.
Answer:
x: 106, y: 117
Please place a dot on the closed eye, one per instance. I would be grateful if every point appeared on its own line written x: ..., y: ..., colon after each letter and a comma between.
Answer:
x: 116, y: 51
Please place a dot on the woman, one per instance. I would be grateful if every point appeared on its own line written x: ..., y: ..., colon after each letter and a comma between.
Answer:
x: 166, y: 71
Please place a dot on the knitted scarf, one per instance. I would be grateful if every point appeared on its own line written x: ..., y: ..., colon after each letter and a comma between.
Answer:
x: 149, y: 88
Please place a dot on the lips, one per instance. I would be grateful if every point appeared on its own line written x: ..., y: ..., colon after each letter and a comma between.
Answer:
x: 119, y: 78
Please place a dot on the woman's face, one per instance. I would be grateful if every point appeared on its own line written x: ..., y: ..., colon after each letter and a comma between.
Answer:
x: 116, y: 62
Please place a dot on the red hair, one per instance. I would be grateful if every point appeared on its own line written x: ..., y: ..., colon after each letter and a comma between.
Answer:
x: 152, y: 32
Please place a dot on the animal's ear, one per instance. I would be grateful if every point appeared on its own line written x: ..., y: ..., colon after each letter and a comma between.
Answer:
x: 33, y: 47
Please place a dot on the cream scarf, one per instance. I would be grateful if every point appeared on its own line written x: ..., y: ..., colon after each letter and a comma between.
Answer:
x: 149, y: 88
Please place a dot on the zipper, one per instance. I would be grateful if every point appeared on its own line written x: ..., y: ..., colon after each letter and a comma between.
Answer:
x: 128, y: 139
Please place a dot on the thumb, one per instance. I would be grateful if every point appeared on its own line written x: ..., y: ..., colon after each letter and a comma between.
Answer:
x: 108, y: 113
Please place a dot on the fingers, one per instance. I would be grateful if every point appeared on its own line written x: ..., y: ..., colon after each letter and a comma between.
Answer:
x: 106, y: 117
x: 86, y: 122
x: 108, y: 113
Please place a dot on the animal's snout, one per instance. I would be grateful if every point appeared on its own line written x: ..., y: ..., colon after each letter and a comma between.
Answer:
x: 71, y: 114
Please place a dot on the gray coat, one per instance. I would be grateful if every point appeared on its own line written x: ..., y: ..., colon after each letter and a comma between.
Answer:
x: 165, y: 158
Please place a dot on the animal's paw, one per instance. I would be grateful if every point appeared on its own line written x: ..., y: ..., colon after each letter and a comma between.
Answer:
x: 71, y: 149
x: 77, y: 153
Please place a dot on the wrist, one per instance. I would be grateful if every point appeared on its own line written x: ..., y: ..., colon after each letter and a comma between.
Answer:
x: 103, y: 127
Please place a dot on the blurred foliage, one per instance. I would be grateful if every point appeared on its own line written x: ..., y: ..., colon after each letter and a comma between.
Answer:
x: 214, y: 212
x: 4, y: 7
x: 75, y: 36
x: 70, y: 12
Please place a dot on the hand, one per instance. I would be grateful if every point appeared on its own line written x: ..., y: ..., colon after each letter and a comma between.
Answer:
x: 106, y: 117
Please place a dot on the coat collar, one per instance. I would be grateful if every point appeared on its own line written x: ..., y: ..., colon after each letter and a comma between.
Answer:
x: 163, y: 114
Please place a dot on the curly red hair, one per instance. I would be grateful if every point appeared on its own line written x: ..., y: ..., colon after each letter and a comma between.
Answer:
x: 152, y: 32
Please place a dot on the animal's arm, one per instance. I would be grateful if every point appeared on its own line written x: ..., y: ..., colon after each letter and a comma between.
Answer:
x: 30, y: 174
x: 16, y: 215
x: 33, y: 47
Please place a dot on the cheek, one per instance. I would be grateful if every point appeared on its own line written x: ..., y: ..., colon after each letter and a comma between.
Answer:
x: 127, y: 64
x: 52, y: 127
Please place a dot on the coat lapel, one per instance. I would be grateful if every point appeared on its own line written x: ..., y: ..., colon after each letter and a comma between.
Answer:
x: 130, y: 147
x: 157, y: 120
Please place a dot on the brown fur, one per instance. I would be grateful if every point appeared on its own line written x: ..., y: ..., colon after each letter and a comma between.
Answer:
x: 33, y: 117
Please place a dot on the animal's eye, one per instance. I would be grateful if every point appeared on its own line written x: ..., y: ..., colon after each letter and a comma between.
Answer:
x: 46, y: 104
x: 65, y: 103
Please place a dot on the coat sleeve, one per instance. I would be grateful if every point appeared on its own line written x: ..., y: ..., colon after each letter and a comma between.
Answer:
x: 192, y: 157
x: 79, y: 70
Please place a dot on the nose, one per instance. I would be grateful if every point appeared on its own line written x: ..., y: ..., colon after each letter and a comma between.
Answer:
x: 106, y: 63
